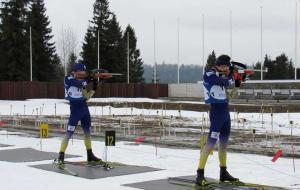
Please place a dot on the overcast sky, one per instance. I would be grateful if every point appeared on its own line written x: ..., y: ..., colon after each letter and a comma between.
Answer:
x: 278, y: 24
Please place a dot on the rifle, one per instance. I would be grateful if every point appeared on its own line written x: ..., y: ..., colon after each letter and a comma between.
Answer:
x: 101, y: 74
x: 241, y: 72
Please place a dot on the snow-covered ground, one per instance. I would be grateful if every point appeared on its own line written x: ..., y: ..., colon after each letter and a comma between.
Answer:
x: 175, y: 162
x: 140, y: 100
x: 281, y: 121
x: 120, y: 100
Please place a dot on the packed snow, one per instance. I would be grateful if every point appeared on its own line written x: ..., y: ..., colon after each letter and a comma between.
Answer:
x: 175, y: 162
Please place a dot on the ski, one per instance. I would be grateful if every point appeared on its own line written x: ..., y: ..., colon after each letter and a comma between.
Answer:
x: 102, y: 164
x: 249, y: 185
x: 193, y: 186
x: 64, y: 168
x: 216, y: 185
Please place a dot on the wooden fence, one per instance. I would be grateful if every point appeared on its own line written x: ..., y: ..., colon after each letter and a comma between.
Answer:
x: 55, y: 90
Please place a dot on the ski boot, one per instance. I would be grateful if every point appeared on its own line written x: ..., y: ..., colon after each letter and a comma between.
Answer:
x: 92, y: 160
x: 200, y: 180
x: 60, y: 163
x: 226, y: 177
x: 60, y: 160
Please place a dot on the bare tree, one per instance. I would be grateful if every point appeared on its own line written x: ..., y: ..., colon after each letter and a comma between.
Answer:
x: 67, y: 45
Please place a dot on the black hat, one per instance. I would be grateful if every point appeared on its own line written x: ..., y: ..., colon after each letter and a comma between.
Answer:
x: 223, y: 60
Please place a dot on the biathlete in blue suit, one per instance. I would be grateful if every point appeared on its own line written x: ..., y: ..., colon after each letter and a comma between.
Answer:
x: 215, y: 82
x: 78, y: 95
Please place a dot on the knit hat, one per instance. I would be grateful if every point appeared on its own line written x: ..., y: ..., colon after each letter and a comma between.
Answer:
x: 223, y: 60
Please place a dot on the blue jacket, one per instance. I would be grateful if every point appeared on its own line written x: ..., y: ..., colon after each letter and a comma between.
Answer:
x: 73, y: 89
x: 214, y: 87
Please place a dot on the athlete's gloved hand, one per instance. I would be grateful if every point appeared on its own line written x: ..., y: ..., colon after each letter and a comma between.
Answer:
x: 231, y: 69
x: 238, y: 83
x: 95, y: 84
x: 83, y: 84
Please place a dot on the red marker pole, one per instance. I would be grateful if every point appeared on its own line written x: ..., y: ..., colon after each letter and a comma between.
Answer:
x: 139, y: 140
x: 277, y: 155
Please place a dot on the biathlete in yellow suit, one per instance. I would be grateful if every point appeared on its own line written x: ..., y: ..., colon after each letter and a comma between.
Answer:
x: 77, y: 94
x: 214, y: 85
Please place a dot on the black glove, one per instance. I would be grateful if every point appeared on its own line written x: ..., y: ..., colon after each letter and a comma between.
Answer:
x: 231, y: 68
x: 238, y: 83
x: 95, y: 84
x: 83, y: 84
x: 90, y: 77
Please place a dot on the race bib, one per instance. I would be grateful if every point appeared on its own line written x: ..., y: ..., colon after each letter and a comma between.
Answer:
x: 206, y: 94
x: 71, y: 128
x: 215, y: 135
x: 218, y: 92
x: 74, y: 92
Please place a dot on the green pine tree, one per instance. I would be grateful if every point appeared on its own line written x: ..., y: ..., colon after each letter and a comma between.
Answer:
x: 136, y: 68
x: 45, y: 62
x: 298, y: 73
x: 58, y: 71
x: 71, y: 61
x: 256, y: 75
x: 99, y: 24
x: 116, y: 51
x: 282, y: 67
x: 14, y: 40
x: 113, y: 45
x: 89, y: 50
x: 268, y: 63
x: 211, y: 60
x: 291, y: 69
